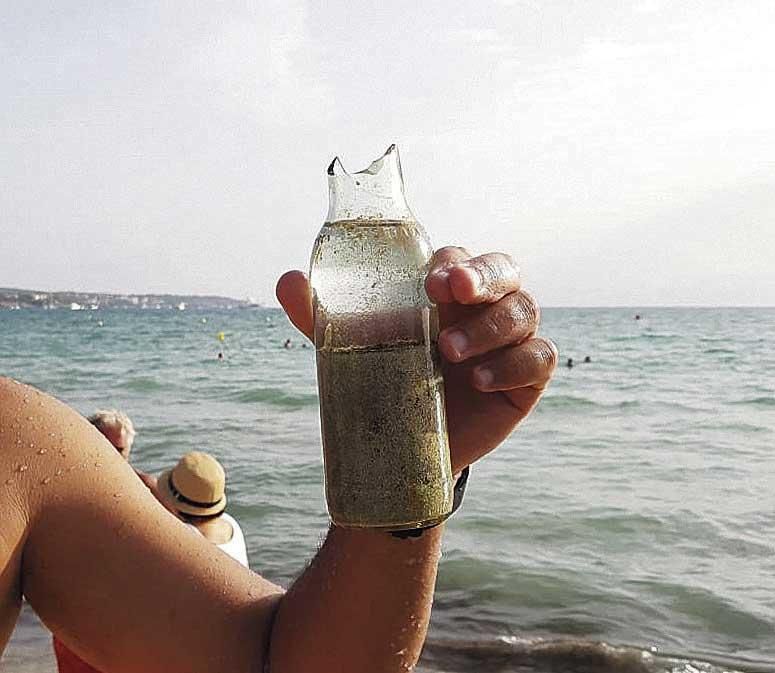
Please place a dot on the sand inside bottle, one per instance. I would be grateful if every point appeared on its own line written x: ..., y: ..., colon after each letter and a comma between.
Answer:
x: 384, y: 435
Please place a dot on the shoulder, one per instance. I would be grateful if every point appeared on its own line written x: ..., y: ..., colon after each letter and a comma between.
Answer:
x: 19, y: 404
x: 11, y: 394
x: 13, y: 481
x: 49, y: 452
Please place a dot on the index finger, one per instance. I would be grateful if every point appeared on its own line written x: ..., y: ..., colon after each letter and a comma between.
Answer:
x: 437, y: 279
x: 473, y: 280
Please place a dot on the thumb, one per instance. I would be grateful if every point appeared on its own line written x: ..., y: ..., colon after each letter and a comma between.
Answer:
x: 294, y: 295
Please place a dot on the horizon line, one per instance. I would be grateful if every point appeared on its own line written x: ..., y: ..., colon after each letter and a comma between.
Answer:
x: 272, y: 302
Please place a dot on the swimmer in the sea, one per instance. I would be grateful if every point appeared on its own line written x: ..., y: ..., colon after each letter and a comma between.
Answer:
x: 288, y: 344
x: 127, y: 587
x: 569, y: 363
x: 587, y: 359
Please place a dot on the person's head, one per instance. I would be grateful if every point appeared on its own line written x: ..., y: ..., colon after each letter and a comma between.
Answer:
x: 195, y: 488
x: 117, y: 428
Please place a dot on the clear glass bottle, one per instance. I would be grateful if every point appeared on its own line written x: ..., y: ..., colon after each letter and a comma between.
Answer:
x: 382, y: 410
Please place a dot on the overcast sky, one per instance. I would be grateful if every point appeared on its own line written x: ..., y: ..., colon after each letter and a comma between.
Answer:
x: 623, y: 152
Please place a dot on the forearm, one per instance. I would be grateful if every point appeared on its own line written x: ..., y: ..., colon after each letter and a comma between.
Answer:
x: 362, y: 605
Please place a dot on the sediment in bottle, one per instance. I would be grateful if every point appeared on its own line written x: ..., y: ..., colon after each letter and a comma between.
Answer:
x: 384, y: 435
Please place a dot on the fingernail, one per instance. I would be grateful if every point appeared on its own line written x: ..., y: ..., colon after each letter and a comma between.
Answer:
x: 483, y: 377
x: 474, y: 275
x: 457, y: 341
x: 476, y: 280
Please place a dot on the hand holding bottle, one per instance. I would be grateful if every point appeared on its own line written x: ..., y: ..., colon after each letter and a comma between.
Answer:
x: 495, y: 367
x: 487, y: 323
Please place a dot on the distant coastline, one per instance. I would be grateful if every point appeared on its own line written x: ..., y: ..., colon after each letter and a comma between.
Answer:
x: 16, y: 298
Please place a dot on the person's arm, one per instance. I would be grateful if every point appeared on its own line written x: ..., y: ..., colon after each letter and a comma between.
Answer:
x: 371, y: 592
x: 128, y: 588
x: 115, y: 576
x: 362, y: 605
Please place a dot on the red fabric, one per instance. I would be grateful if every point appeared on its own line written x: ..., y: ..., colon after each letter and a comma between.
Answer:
x: 67, y: 662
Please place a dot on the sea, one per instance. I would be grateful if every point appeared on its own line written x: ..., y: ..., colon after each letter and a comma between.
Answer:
x: 627, y: 525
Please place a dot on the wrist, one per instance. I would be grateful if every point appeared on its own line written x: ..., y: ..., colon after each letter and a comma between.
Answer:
x: 458, y: 492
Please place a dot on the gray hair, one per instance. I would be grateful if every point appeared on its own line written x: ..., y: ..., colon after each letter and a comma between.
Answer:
x: 113, y: 418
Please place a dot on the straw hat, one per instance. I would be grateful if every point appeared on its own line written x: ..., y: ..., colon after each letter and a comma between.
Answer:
x: 196, y: 485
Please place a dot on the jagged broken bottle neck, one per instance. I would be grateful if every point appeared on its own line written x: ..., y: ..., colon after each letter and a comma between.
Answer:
x: 375, y: 193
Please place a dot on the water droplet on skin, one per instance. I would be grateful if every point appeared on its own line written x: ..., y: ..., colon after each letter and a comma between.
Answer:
x: 58, y: 473
x: 98, y: 464
x: 8, y: 482
x: 45, y: 481
x: 32, y: 445
x: 21, y: 468
x: 41, y: 451
x: 116, y: 495
x: 29, y: 418
x: 63, y: 453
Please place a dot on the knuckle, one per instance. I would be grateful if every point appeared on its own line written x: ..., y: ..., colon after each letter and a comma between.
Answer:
x: 447, y: 256
x: 505, y: 319
x: 530, y: 311
x: 515, y: 315
x: 497, y: 273
x: 489, y: 269
x: 546, y: 352
x: 507, y: 263
x: 493, y: 322
x: 452, y: 251
x: 501, y: 268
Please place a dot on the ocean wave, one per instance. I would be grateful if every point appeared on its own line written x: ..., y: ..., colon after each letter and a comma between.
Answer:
x: 142, y: 384
x: 275, y: 397
x: 644, y: 336
x: 566, y: 401
x: 756, y: 402
x: 713, y: 612
x: 570, y: 655
x: 733, y: 427
x: 576, y: 402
